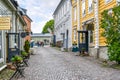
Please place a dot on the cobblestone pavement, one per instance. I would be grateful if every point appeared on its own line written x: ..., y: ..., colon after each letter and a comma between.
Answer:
x: 50, y: 64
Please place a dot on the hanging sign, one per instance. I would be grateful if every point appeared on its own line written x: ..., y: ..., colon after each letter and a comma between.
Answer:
x: 23, y: 34
x: 4, y: 23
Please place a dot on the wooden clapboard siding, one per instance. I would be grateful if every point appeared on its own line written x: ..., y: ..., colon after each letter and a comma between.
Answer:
x: 88, y: 16
x: 74, y: 23
x: 104, y: 6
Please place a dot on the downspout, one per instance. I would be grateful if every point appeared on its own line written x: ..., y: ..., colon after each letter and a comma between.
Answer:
x: 78, y: 6
x: 78, y: 14
x: 96, y: 15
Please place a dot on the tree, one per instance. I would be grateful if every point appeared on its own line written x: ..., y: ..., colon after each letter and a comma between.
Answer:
x: 49, y: 24
x: 111, y: 25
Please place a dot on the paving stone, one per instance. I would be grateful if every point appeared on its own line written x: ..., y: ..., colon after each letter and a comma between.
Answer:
x: 50, y: 64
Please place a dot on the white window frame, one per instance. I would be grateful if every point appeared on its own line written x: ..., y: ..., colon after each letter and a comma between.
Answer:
x: 75, y: 34
x: 83, y: 8
x: 107, y: 1
x: 2, y: 52
x: 75, y: 13
x: 90, y: 6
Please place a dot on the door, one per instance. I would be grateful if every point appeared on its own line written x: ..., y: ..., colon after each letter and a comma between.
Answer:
x: 13, y: 45
x: 83, y: 40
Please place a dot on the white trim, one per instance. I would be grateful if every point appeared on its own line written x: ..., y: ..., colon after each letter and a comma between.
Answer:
x: 83, y: 6
x: 1, y: 60
x: 3, y: 67
x: 3, y: 45
x: 88, y: 19
x: 90, y: 11
x: 96, y: 24
x: 78, y: 4
x: 106, y: 2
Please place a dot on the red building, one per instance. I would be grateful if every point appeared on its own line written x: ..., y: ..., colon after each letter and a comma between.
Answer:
x: 28, y: 22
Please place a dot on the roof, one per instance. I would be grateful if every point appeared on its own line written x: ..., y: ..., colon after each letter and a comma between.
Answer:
x: 58, y: 6
x: 23, y: 12
x: 15, y: 3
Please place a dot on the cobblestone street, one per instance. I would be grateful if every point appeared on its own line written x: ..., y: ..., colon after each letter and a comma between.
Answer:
x: 50, y: 64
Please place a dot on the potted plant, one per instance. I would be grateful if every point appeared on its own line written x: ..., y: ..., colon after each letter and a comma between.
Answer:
x: 24, y: 54
x: 27, y: 47
x: 16, y: 59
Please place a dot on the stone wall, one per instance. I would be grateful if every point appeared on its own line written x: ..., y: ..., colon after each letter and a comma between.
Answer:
x: 101, y: 52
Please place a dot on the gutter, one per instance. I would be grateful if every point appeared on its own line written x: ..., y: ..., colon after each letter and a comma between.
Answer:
x: 11, y: 4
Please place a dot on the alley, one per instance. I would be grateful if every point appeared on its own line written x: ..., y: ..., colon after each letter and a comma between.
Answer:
x: 50, y: 64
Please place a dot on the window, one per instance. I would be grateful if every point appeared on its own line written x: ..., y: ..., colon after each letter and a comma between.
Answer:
x: 90, y: 28
x: 68, y: 6
x: 83, y: 8
x: 75, y: 34
x: 90, y: 6
x: 107, y: 1
x: 75, y: 13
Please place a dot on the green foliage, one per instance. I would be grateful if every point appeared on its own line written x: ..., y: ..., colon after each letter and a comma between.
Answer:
x: 111, y: 26
x: 49, y: 24
x: 16, y: 58
x: 27, y: 46
x: 23, y: 53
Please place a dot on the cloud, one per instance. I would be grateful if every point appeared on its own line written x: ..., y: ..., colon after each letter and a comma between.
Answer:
x: 37, y: 26
x: 40, y: 11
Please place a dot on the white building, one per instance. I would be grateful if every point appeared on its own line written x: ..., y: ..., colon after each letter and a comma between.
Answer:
x: 63, y: 24
x: 9, y: 13
x: 6, y: 10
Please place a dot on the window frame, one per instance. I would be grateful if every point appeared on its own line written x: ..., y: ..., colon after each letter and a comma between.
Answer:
x: 75, y: 13
x: 75, y: 34
x: 107, y: 1
x: 90, y: 6
x: 83, y: 8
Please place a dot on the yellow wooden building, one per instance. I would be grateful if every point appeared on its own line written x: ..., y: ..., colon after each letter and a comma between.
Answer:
x: 86, y: 15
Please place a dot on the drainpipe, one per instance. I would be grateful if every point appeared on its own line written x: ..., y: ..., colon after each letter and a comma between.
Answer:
x: 96, y: 13
x: 78, y: 14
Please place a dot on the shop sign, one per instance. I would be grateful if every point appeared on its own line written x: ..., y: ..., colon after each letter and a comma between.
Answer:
x: 4, y: 23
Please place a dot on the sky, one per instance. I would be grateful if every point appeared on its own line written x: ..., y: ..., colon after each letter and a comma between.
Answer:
x: 40, y: 11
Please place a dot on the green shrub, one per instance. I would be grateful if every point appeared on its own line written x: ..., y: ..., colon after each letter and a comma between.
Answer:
x: 27, y: 46
x: 111, y: 25
x: 23, y: 53
x: 16, y: 58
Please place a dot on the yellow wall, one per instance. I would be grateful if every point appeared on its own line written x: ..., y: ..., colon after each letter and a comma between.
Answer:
x: 88, y: 16
x: 103, y: 6
x: 74, y: 23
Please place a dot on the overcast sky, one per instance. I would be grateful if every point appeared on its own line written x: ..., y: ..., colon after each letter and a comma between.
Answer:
x: 40, y: 11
